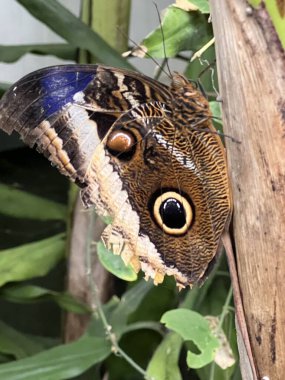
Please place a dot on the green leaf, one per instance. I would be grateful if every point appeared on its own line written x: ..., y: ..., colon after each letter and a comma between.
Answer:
x: 31, y: 260
x: 182, y: 31
x: 128, y: 304
x: 11, y: 53
x: 276, y: 10
x: 32, y: 293
x: 20, y: 204
x: 254, y: 3
x: 114, y: 264
x: 73, y: 30
x: 4, y: 87
x: 191, y: 326
x: 12, y: 342
x: 216, y: 109
x: 164, y: 363
x: 217, y: 114
x: 145, y: 325
x: 193, y: 5
x: 61, y: 362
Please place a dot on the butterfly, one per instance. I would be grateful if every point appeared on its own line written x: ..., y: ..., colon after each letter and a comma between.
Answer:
x: 144, y: 153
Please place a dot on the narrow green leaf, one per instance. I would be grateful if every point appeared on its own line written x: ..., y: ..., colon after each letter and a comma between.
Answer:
x: 182, y: 31
x: 145, y: 325
x: 128, y: 304
x: 276, y: 9
x: 164, y: 363
x: 32, y: 293
x: 73, y: 30
x: 68, y: 303
x: 58, y: 363
x: 203, y: 5
x: 4, y: 87
x: 31, y: 260
x: 20, y: 204
x: 193, y: 5
x: 117, y: 14
x: 14, y: 343
x: 217, y: 114
x: 216, y: 109
x: 254, y: 3
x: 4, y: 359
x: 192, y: 326
x: 114, y: 264
x: 11, y: 53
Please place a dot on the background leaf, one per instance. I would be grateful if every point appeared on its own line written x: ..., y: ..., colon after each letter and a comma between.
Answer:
x: 14, y: 52
x: 73, y: 30
x: 30, y: 260
x: 4, y: 87
x: 181, y: 30
x: 32, y: 293
x: 14, y: 343
x: 201, y: 5
x: 114, y: 264
x: 62, y: 362
x: 20, y: 204
x: 167, y: 353
x: 191, y: 326
x: 129, y: 303
x: 276, y: 9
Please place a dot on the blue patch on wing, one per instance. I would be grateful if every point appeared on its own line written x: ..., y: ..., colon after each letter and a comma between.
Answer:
x: 59, y: 88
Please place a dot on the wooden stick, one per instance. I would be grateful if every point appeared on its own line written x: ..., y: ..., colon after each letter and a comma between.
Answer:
x: 251, y: 68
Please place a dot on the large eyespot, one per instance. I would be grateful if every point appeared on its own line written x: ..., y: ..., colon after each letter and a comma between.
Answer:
x: 173, y: 212
x: 121, y: 144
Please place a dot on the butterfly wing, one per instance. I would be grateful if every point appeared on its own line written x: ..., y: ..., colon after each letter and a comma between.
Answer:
x: 169, y: 196
x: 66, y: 110
x: 143, y: 153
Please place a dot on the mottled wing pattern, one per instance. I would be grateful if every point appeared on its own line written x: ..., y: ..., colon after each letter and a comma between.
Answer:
x: 66, y: 110
x: 144, y: 153
x: 179, y: 158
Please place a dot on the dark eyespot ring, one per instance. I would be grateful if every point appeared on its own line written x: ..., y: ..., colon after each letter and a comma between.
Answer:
x: 121, y: 144
x: 173, y: 213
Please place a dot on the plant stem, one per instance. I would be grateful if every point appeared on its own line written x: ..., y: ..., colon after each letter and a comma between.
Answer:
x: 225, y: 308
x: 97, y: 309
x: 224, y: 312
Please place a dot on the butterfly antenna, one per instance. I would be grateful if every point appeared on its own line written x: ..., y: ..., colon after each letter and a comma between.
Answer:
x: 208, y: 67
x: 144, y: 52
x: 163, y: 38
x: 161, y: 68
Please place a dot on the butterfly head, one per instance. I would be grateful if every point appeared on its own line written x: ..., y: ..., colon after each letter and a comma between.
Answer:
x: 189, y: 101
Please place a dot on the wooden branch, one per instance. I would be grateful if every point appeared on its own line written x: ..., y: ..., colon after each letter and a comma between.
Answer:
x: 77, y: 283
x: 251, y: 67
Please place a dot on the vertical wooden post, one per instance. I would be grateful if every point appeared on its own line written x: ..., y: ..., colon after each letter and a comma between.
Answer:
x: 94, y: 13
x: 251, y: 67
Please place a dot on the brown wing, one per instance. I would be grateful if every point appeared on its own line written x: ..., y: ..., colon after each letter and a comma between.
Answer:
x: 66, y: 110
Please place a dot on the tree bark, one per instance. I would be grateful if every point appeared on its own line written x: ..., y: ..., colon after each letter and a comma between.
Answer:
x: 86, y: 228
x: 251, y: 68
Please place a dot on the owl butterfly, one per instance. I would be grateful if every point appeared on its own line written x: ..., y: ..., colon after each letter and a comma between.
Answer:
x: 142, y: 152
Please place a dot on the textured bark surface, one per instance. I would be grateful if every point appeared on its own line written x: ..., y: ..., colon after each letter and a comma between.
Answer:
x: 251, y: 68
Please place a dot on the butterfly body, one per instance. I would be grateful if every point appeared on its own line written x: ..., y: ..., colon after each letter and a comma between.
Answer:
x: 142, y: 152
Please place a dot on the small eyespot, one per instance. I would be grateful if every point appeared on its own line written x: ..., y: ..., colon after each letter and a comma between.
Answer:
x: 173, y: 213
x: 121, y: 144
